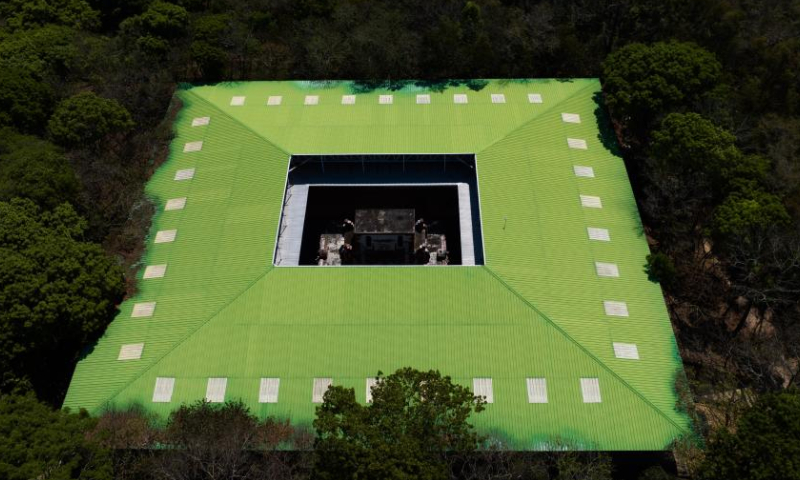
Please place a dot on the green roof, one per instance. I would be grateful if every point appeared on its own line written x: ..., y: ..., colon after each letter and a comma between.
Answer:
x: 534, y: 310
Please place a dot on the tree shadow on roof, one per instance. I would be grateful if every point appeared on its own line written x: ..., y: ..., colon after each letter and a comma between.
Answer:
x: 368, y: 86
x: 606, y: 135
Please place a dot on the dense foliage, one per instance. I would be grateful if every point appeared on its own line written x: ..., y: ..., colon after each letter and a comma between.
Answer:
x: 765, y: 444
x: 57, y: 293
x: 704, y: 96
x: 414, y: 420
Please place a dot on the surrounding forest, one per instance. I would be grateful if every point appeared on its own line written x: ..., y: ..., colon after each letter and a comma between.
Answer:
x: 704, y: 98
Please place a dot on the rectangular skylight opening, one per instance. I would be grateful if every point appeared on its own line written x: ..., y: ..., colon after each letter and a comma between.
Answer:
x: 606, y: 269
x: 498, y: 98
x: 200, y: 121
x: 185, y: 174
x: 590, y: 388
x: 423, y: 99
x: 615, y: 309
x: 537, y: 390
x: 268, y: 390
x: 348, y: 99
x: 144, y: 309
x: 628, y: 351
x: 590, y: 201
x: 131, y: 351
x: 460, y: 98
x: 386, y: 99
x: 482, y: 387
x: 274, y: 100
x: 162, y: 393
x: 165, y: 236
x: 237, y: 101
x: 193, y: 146
x: 570, y: 118
x: 311, y: 100
x: 535, y: 98
x: 155, y: 271
x: 599, y: 234
x: 577, y: 143
x: 371, y: 382
x: 320, y: 387
x: 175, y: 204
x: 215, y: 390
x: 581, y: 171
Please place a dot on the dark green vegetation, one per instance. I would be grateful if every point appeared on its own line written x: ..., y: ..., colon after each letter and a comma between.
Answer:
x: 704, y: 97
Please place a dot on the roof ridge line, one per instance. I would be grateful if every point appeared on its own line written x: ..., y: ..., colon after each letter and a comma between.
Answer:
x: 188, y: 335
x: 528, y: 122
x: 236, y: 120
x: 581, y: 347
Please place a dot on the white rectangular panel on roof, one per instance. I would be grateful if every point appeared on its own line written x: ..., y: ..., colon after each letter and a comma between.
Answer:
x: 348, y: 99
x: 165, y: 236
x: 200, y: 121
x: 155, y: 271
x: 386, y: 99
x: 626, y: 350
x: 590, y: 388
x: 185, y: 174
x: 589, y: 201
x: 577, y: 143
x: 162, y: 392
x: 460, y: 98
x: 571, y: 118
x: 371, y: 382
x: 482, y: 387
x: 215, y: 390
x: 175, y: 204
x: 615, y: 309
x: 193, y: 146
x: 606, y: 269
x: 599, y: 234
x: 268, y: 391
x: 130, y: 352
x: 498, y: 98
x: 237, y: 101
x: 311, y: 100
x: 537, y: 390
x: 535, y: 97
x: 320, y: 387
x: 423, y: 99
x: 144, y: 309
x: 581, y: 171
x: 274, y: 100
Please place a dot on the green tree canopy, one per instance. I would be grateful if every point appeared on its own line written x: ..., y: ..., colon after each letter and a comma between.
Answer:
x: 38, y: 442
x: 25, y: 99
x: 642, y: 81
x: 764, y: 446
x: 32, y: 13
x: 161, y: 22
x: 86, y: 118
x: 35, y: 169
x: 414, y: 419
x: 746, y: 210
x: 57, y: 293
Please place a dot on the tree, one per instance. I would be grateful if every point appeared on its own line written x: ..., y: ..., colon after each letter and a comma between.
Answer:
x: 35, y: 169
x: 57, y: 293
x: 153, y: 29
x: 414, y: 420
x: 38, y: 442
x: 643, y: 81
x: 30, y: 13
x: 86, y: 118
x: 743, y: 211
x: 765, y: 444
x: 25, y: 99
x: 660, y: 268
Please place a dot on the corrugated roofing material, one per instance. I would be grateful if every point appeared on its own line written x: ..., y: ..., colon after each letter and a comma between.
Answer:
x: 536, y: 309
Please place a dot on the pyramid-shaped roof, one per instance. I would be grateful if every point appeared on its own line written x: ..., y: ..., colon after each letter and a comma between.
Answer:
x: 542, y: 306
